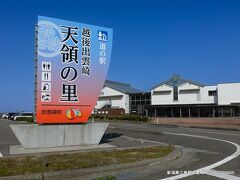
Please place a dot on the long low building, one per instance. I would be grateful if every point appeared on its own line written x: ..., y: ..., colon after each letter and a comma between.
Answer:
x: 175, y: 97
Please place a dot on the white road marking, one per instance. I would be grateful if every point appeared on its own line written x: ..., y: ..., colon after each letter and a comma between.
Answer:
x: 182, y: 134
x: 215, y: 132
x: 1, y: 155
x: 210, y: 167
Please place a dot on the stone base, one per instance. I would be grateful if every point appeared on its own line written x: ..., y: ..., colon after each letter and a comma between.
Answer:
x: 41, y: 136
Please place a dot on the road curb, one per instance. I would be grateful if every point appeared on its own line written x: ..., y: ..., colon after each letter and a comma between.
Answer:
x: 35, y: 176
x: 214, y: 128
x: 197, y: 127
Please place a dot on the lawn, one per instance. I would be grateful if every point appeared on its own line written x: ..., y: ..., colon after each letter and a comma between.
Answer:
x: 10, y: 166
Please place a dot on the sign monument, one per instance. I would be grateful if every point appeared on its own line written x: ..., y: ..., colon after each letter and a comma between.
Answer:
x: 72, y: 61
x: 72, y: 64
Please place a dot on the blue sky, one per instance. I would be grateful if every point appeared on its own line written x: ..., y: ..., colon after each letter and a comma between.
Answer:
x: 199, y: 40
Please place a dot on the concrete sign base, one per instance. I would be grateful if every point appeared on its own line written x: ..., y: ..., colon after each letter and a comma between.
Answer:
x: 40, y: 136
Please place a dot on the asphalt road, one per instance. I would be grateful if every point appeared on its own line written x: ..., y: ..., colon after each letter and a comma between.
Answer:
x: 215, y: 154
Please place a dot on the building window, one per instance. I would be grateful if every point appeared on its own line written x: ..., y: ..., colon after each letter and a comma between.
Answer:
x: 138, y: 97
x: 175, y: 93
x: 133, y: 98
x: 212, y: 93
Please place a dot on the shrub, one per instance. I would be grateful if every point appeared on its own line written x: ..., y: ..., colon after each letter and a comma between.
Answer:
x: 107, y: 178
x: 121, y: 117
x: 28, y: 119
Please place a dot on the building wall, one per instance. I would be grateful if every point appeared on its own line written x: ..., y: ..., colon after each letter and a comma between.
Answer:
x: 160, y: 98
x: 106, y: 91
x: 116, y: 98
x: 116, y: 102
x: 205, y: 98
x: 189, y: 97
x: 187, y: 94
x: 126, y: 107
x: 228, y: 93
x: 161, y: 95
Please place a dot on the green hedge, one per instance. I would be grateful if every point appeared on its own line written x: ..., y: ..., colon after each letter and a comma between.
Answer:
x: 106, y: 178
x: 28, y: 119
x: 121, y: 117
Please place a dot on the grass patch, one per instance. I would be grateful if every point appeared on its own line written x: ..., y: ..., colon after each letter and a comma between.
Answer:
x: 10, y: 166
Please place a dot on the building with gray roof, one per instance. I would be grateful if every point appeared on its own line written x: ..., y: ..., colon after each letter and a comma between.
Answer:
x: 174, y: 97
